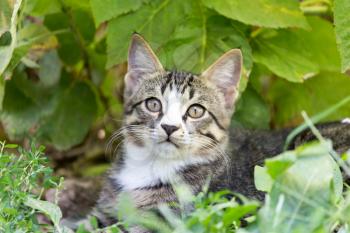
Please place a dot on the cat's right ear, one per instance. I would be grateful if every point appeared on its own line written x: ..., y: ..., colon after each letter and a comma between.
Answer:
x: 142, y: 62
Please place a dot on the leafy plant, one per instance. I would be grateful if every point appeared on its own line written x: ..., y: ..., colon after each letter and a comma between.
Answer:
x: 23, y: 176
x: 60, y: 60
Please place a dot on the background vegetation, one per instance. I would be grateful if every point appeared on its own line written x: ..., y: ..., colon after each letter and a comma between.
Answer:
x: 61, y: 78
x: 62, y: 61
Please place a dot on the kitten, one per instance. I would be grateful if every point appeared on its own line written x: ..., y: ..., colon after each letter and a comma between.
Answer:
x: 177, y: 129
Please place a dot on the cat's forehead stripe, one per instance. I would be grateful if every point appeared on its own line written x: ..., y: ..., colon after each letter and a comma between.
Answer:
x: 179, y: 80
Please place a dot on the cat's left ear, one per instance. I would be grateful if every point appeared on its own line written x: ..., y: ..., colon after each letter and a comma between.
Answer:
x: 142, y: 62
x: 225, y: 74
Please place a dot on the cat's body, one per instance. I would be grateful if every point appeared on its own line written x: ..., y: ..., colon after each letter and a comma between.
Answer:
x: 177, y: 129
x: 247, y: 148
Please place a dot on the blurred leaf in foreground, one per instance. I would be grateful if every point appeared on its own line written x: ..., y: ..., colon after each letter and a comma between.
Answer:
x: 307, y: 184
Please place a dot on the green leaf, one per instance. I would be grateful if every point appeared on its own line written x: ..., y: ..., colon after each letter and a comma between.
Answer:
x: 5, y: 15
x: 251, y: 110
x: 108, y: 9
x: 156, y: 21
x: 48, y: 208
x: 314, y: 95
x: 284, y: 54
x: 279, y: 164
x: 11, y: 146
x: 5, y: 39
x: 42, y: 7
x: 202, y: 39
x: 321, y: 33
x: 6, y: 51
x: 342, y: 22
x: 264, y: 13
x: 82, y: 4
x: 262, y: 179
x: 302, y: 195
x: 298, y: 54
x: 71, y: 42
x: 85, y: 25
x: 50, y: 69
x: 72, y: 118
x: 60, y: 114
x: 23, y: 102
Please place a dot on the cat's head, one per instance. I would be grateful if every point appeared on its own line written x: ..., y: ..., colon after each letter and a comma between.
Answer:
x: 176, y: 114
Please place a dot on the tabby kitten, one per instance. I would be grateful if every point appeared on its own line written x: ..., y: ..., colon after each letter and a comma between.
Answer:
x: 175, y: 128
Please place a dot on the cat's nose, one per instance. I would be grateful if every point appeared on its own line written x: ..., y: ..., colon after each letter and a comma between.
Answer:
x: 169, y: 129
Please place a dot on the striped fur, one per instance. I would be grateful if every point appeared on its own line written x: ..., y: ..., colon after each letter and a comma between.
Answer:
x: 151, y: 160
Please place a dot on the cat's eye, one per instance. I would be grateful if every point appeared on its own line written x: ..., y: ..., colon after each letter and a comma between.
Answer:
x: 196, y: 111
x: 153, y: 104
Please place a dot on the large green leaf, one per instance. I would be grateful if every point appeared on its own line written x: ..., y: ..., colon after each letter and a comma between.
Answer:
x: 48, y: 208
x: 50, y: 69
x: 24, y: 102
x: 108, y: 9
x: 298, y: 54
x: 321, y: 34
x: 61, y: 114
x: 202, y: 39
x: 314, y: 95
x: 342, y: 29
x: 264, y: 13
x: 72, y: 118
x: 302, y: 194
x: 156, y: 21
x: 284, y: 54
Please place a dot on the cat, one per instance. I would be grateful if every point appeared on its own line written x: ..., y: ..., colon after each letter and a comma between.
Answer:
x: 176, y: 128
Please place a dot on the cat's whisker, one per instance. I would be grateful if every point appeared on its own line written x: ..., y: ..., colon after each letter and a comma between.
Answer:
x: 211, y: 145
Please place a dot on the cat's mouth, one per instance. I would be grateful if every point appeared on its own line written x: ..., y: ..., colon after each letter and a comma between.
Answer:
x: 169, y: 141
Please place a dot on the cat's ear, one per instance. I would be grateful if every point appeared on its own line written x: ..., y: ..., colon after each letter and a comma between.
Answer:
x: 225, y: 74
x: 142, y: 62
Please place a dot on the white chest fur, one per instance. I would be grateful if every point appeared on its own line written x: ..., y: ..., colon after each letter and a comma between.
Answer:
x: 141, y: 168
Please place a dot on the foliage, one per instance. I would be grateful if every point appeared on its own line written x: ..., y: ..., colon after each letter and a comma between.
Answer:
x: 61, y: 59
x: 304, y: 192
x: 23, y: 176
x: 341, y: 7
